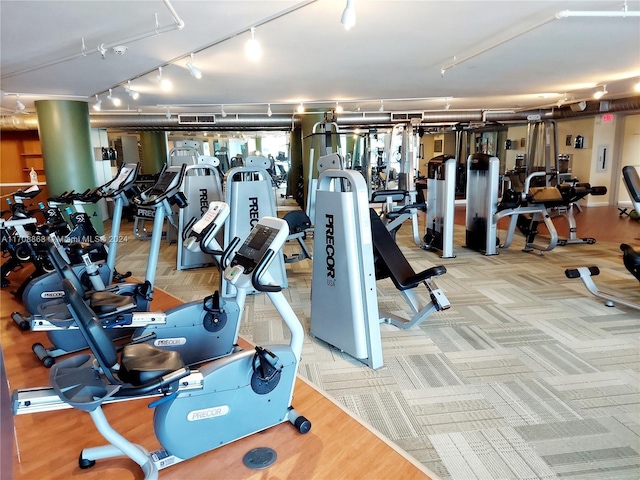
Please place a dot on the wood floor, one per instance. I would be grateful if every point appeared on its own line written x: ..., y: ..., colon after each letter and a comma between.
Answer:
x: 47, y: 445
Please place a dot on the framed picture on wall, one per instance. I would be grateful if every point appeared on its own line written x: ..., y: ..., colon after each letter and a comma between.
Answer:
x: 437, y: 146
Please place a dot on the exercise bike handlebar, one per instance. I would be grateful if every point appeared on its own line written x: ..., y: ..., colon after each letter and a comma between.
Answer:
x: 260, y: 269
x: 226, y: 255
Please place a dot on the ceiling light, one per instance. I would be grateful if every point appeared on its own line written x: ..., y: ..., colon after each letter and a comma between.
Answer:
x: 269, y: 112
x: 224, y: 114
x: 349, y: 15
x: 637, y: 87
x: 132, y: 93
x: 115, y: 100
x: 447, y: 105
x: 194, y: 71
x: 98, y: 105
x: 339, y: 109
x: 165, y: 83
x: 600, y: 93
x: 300, y: 108
x: 19, y: 105
x: 381, y: 109
x: 252, y: 48
x: 120, y: 49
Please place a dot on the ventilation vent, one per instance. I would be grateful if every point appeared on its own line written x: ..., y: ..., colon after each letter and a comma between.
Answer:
x: 196, y: 119
x: 399, y: 117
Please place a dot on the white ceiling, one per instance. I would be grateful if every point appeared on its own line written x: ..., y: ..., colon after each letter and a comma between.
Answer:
x: 508, y: 55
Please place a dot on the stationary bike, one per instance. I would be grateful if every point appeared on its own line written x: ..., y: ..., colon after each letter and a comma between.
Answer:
x: 121, y: 305
x: 200, y: 330
x: 47, y: 287
x: 241, y: 394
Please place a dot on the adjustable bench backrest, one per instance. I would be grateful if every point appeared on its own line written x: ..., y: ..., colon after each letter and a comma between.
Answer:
x: 391, y: 262
x: 632, y: 182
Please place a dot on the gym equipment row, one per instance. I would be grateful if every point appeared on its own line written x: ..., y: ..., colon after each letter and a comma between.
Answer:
x: 525, y: 210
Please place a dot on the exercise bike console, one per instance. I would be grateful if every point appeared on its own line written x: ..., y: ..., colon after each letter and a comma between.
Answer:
x: 267, y: 236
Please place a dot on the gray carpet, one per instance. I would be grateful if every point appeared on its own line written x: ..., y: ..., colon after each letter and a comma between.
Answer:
x: 526, y: 376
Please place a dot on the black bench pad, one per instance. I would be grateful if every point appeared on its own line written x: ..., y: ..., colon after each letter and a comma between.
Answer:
x: 391, y: 262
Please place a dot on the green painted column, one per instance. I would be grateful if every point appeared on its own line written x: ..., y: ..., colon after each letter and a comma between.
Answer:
x: 259, y: 145
x: 65, y: 138
x: 154, y: 151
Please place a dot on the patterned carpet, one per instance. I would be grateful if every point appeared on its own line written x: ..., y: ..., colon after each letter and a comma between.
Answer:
x: 526, y: 376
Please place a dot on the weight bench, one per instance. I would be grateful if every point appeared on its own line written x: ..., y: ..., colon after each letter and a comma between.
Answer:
x: 632, y: 182
x: 299, y: 223
x: 631, y: 260
x: 391, y: 263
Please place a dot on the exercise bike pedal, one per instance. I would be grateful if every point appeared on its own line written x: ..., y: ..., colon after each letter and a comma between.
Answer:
x: 120, y: 277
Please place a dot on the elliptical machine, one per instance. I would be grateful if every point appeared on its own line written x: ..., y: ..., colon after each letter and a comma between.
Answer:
x: 239, y: 395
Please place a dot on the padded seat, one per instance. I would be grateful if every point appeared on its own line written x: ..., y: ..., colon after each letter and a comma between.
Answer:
x: 140, y: 364
x: 106, y: 302
x: 548, y: 196
x: 298, y: 221
x: 143, y: 363
x: 391, y: 262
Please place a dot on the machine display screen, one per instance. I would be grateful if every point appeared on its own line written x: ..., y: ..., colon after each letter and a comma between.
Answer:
x: 254, y: 247
x: 163, y: 183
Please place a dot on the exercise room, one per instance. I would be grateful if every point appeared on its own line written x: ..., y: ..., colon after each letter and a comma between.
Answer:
x: 320, y: 239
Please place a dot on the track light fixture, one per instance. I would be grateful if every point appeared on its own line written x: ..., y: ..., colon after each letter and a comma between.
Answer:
x: 19, y: 105
x: 115, y: 100
x: 300, y: 108
x: 339, y: 108
x: 102, y: 49
x: 637, y: 87
x: 381, y: 109
x: 563, y: 100
x: 252, y: 48
x: 349, y: 15
x: 600, y: 93
x: 165, y: 83
x: 269, y: 112
x: 193, y: 70
x: 98, y: 105
x: 132, y: 93
x: 222, y: 112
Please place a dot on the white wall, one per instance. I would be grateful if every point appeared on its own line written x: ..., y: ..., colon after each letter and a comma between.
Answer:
x: 630, y: 154
x: 515, y: 133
